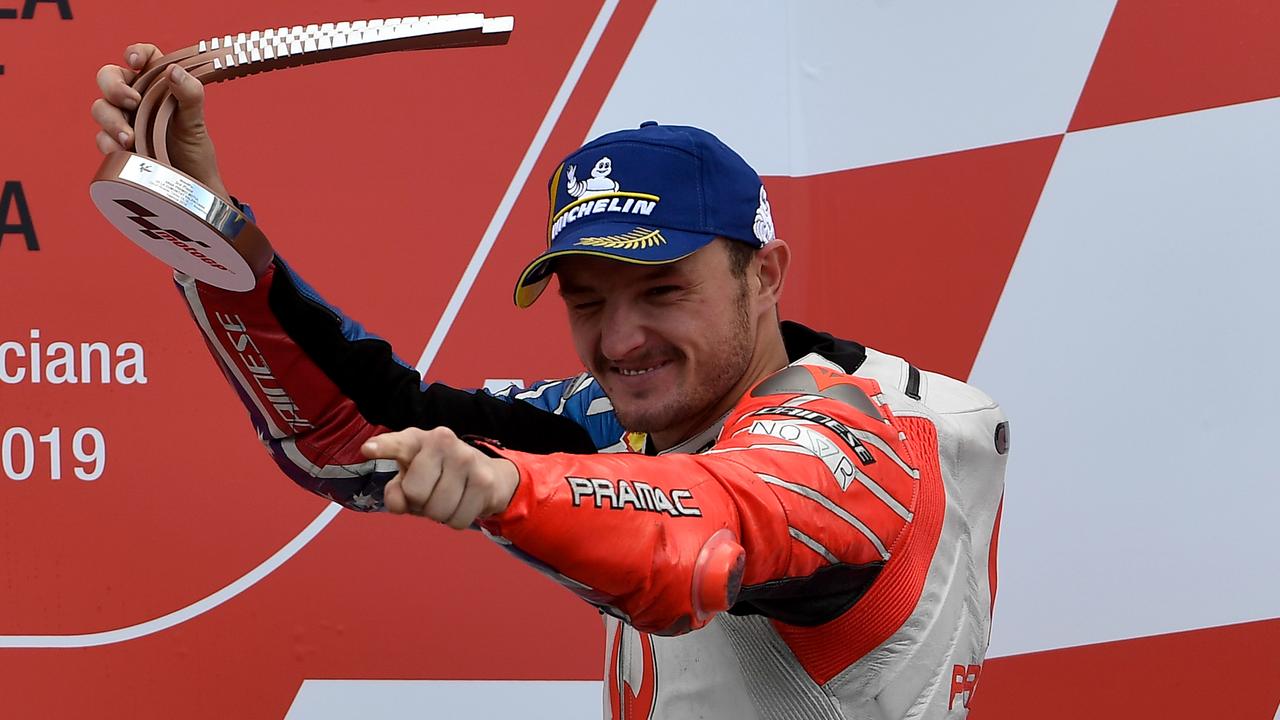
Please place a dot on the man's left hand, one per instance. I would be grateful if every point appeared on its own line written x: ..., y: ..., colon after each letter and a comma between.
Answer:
x: 442, y: 477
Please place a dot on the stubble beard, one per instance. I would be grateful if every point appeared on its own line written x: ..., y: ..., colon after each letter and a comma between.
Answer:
x: 719, y: 374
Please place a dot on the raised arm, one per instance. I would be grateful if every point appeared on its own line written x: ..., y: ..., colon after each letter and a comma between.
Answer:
x: 317, y: 385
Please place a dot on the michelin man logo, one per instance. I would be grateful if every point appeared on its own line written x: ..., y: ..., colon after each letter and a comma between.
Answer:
x: 763, y: 225
x: 598, y: 184
x: 602, y: 194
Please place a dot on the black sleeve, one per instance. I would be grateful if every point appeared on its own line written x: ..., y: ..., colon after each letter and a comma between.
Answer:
x: 390, y: 393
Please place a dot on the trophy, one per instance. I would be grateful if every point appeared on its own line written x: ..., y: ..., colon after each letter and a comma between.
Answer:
x: 182, y: 222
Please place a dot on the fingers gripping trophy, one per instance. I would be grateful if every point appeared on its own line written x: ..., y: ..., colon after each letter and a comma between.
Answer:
x: 165, y: 195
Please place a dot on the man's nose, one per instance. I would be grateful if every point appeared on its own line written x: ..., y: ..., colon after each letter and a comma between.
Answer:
x: 622, y: 331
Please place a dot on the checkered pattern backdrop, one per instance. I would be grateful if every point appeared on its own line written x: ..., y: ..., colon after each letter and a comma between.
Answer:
x: 1070, y: 204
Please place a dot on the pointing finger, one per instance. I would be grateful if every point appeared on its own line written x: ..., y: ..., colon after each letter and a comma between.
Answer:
x: 400, y: 446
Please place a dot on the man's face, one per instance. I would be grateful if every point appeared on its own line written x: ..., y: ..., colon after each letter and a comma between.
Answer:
x: 666, y: 342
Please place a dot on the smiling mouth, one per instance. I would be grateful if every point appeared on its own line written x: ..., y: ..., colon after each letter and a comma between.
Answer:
x: 628, y: 372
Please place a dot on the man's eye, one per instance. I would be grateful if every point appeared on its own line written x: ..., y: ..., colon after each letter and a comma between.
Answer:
x: 663, y: 290
x: 585, y: 305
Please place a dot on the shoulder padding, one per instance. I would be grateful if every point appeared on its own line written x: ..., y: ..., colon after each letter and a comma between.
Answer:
x: 797, y: 379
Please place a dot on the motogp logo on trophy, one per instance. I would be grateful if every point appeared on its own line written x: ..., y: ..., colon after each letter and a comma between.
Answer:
x: 174, y: 237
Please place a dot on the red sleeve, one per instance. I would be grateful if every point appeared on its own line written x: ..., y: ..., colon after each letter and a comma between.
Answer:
x: 800, y: 480
x: 310, y: 427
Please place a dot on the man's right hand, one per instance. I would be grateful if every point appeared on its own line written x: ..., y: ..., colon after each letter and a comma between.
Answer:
x: 188, y: 142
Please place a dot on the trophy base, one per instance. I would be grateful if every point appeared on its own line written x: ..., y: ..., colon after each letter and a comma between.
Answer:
x: 180, y: 221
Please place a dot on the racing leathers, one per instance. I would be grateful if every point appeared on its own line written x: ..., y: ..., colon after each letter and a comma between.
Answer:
x: 861, y: 494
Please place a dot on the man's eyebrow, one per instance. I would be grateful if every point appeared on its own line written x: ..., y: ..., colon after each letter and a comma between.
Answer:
x: 666, y: 272
x: 662, y: 272
x: 567, y: 288
x: 653, y: 274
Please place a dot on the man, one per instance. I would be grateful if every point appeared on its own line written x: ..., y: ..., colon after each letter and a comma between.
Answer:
x: 775, y: 523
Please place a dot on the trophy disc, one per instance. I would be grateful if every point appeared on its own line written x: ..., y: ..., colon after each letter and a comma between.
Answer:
x: 180, y: 221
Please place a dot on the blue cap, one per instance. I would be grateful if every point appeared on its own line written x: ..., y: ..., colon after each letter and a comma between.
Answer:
x: 648, y: 196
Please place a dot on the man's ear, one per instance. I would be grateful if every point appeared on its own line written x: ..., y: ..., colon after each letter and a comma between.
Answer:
x: 770, y: 266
